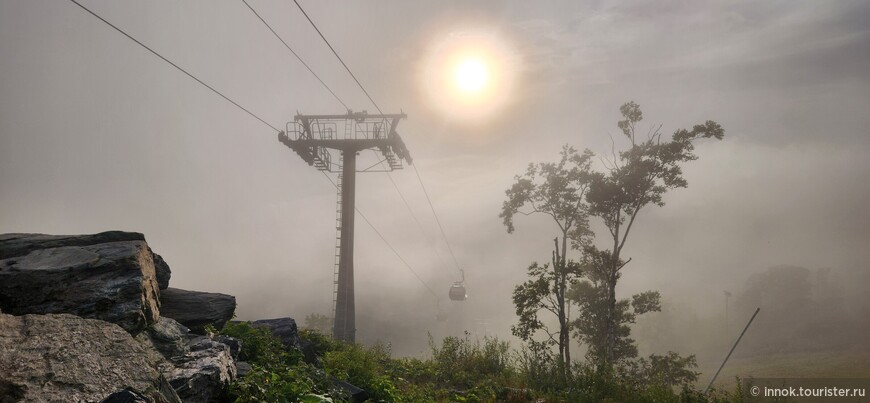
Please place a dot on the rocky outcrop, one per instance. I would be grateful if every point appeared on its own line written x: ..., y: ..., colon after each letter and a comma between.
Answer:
x: 113, y: 281
x: 196, y: 309
x: 67, y: 358
x: 141, y: 356
x: 14, y: 245
x: 203, y: 374
x: 283, y: 328
x: 199, y: 368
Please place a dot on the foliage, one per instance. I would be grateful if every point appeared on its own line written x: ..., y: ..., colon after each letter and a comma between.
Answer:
x: 459, y: 370
x: 321, y: 342
x: 669, y: 371
x: 592, y: 297
x: 546, y: 291
x: 557, y: 190
x: 277, y: 373
x: 554, y: 189
x: 465, y: 364
x: 541, y: 369
x: 362, y: 367
x: 637, y: 177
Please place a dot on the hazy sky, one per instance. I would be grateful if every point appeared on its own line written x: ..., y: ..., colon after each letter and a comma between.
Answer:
x: 98, y: 134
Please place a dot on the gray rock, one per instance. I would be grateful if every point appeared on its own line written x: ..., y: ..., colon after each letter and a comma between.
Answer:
x: 204, y: 373
x: 283, y: 328
x: 162, y: 271
x: 198, y: 368
x: 309, y: 353
x: 67, y: 358
x: 112, y: 281
x: 196, y: 309
x: 233, y: 343
x: 243, y: 368
x: 168, y: 337
x: 14, y: 245
x: 126, y: 396
x: 356, y: 394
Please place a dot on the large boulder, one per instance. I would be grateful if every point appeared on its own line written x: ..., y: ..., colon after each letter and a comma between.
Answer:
x: 54, y: 358
x: 14, y: 245
x: 196, y: 309
x: 112, y: 281
x: 204, y: 373
x: 198, y: 368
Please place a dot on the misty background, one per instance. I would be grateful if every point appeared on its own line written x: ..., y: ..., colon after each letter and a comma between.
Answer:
x: 97, y: 134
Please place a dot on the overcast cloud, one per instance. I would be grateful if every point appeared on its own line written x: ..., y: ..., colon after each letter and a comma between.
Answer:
x: 97, y: 134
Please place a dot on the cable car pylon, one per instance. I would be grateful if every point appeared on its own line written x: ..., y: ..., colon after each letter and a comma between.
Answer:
x: 316, y: 139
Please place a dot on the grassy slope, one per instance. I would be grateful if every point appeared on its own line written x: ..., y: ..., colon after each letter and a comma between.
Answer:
x: 838, y: 364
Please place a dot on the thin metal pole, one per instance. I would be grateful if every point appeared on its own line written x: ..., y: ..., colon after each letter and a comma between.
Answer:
x: 732, y: 350
x: 344, y: 327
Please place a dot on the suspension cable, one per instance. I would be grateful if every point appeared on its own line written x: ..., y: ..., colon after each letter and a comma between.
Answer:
x: 389, y: 176
x: 296, y: 54
x: 386, y: 242
x: 428, y: 199
x: 258, y: 118
x: 174, y: 65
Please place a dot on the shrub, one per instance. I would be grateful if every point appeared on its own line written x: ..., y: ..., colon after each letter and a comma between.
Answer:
x: 277, y: 373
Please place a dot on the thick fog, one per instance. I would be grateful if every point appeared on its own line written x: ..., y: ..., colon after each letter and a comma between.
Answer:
x: 98, y: 134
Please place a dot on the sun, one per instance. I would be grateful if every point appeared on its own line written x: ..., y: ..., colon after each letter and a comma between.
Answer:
x: 468, y: 76
x: 471, y: 75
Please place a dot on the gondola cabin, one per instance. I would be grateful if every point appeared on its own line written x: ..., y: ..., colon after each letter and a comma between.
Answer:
x: 457, y: 292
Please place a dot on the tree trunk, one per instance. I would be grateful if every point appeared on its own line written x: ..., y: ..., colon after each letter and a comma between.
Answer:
x: 611, y: 325
x: 565, y: 329
x: 561, y: 277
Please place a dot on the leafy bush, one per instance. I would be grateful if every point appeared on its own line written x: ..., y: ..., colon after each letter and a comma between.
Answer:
x: 277, y: 374
x: 459, y: 370
x: 463, y: 364
x: 362, y: 367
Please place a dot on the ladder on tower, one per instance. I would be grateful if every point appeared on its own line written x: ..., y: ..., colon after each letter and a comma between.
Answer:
x: 337, y: 261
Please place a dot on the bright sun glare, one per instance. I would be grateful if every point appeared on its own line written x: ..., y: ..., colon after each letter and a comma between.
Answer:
x: 468, y: 76
x: 471, y: 75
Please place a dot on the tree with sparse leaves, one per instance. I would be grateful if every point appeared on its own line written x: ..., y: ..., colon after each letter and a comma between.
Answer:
x: 591, y: 294
x: 638, y: 177
x: 557, y: 190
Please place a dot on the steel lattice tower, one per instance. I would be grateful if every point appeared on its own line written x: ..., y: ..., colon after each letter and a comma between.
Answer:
x: 317, y: 138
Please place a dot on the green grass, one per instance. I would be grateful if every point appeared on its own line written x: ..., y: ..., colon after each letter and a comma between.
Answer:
x: 833, y: 364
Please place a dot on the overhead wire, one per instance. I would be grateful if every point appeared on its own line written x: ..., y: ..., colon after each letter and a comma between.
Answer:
x: 437, y: 220
x: 253, y: 115
x: 358, y: 83
x: 174, y: 65
x: 408, y: 266
x: 428, y: 199
x: 296, y: 54
x: 337, y: 56
x: 390, y: 177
